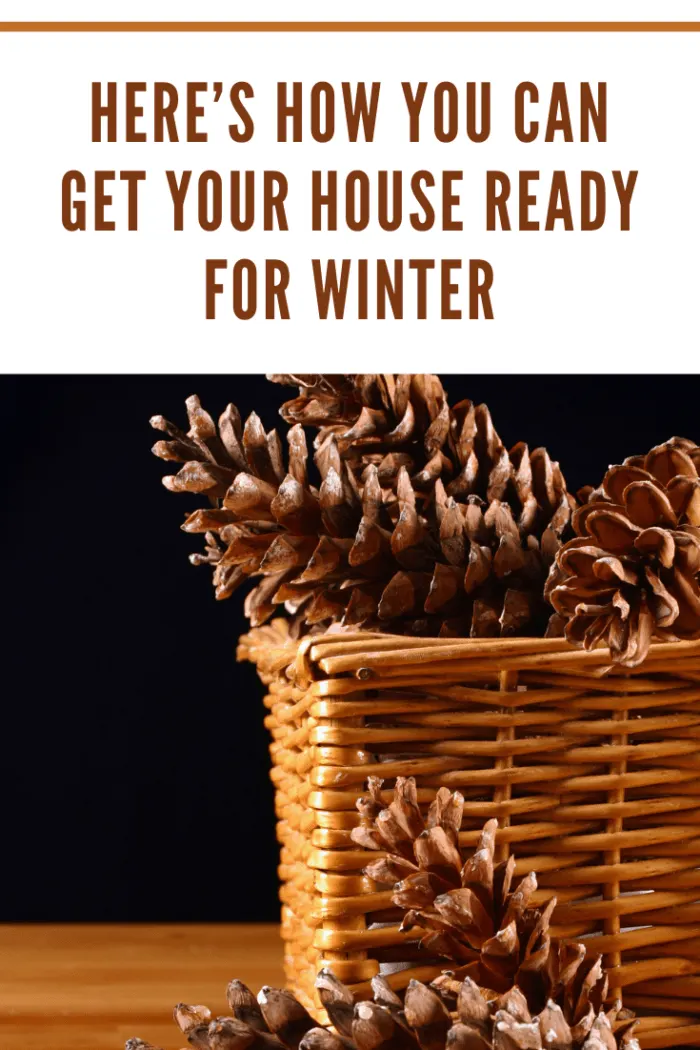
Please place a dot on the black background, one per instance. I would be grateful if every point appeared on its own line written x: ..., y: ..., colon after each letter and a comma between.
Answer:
x: 134, y: 772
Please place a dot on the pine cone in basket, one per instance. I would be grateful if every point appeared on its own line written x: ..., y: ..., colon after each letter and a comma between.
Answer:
x: 405, y: 420
x: 324, y: 551
x: 262, y: 519
x: 632, y: 573
x: 374, y: 545
x: 474, y: 526
x: 324, y: 400
x: 460, y: 1017
x: 388, y: 420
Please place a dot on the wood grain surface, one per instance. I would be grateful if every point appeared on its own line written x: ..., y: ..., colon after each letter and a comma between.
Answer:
x: 91, y: 987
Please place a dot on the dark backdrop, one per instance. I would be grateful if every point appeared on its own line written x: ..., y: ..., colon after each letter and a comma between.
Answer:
x: 134, y: 760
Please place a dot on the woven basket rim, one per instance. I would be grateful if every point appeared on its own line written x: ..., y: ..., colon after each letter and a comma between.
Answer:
x: 367, y: 655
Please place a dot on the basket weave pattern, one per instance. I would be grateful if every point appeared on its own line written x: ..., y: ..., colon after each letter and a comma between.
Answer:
x: 591, y: 772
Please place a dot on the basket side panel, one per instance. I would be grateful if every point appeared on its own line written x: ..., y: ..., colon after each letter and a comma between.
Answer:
x: 594, y: 780
x: 592, y: 775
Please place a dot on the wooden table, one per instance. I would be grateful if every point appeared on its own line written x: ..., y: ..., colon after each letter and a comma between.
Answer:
x: 90, y: 987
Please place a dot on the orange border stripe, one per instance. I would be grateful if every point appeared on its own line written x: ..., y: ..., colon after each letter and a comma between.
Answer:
x: 349, y: 27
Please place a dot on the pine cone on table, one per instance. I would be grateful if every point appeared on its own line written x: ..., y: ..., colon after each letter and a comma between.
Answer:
x: 462, y: 1016
x: 465, y: 908
x: 632, y: 574
x: 460, y: 547
x: 459, y: 1017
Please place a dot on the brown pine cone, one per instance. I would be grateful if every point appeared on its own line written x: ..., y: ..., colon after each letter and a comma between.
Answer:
x: 465, y: 908
x: 389, y: 421
x: 457, y: 1015
x: 406, y: 421
x: 477, y: 526
x: 380, y: 409
x: 263, y: 518
x: 324, y: 400
x: 324, y: 552
x: 632, y: 573
x: 373, y: 545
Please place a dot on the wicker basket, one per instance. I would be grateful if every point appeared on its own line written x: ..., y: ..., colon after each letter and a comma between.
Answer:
x: 591, y: 772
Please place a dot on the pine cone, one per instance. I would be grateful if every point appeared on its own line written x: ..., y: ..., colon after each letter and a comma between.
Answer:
x: 324, y: 400
x: 387, y: 421
x: 373, y: 545
x: 372, y: 415
x: 325, y: 553
x: 476, y: 527
x: 466, y: 908
x: 406, y: 421
x: 458, y: 1016
x: 252, y: 501
x: 539, y: 996
x: 632, y: 574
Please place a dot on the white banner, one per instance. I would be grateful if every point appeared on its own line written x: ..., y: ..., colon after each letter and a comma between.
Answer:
x: 562, y: 239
